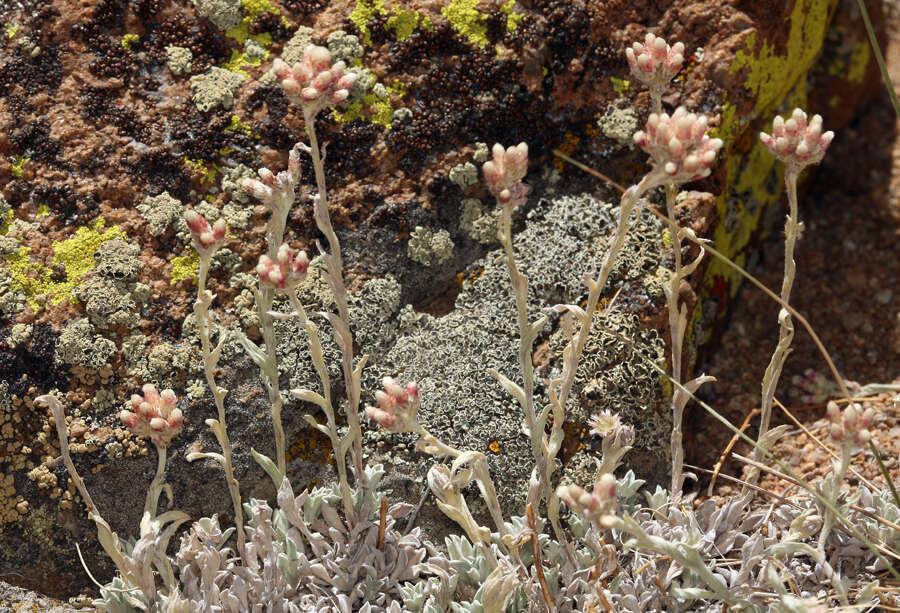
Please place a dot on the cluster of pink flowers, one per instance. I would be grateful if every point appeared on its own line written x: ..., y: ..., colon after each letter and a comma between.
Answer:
x: 504, y: 174
x: 850, y: 426
x: 596, y: 506
x: 796, y: 142
x: 679, y: 145
x: 654, y: 63
x: 207, y: 238
x: 154, y: 415
x: 397, y: 406
x: 314, y: 82
x: 286, y: 271
x: 276, y: 191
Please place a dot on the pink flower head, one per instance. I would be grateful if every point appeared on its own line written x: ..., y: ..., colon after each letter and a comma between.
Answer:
x: 397, y: 406
x: 796, y: 142
x: 276, y: 191
x: 154, y: 415
x: 504, y: 174
x: 850, y: 426
x: 679, y: 145
x: 598, y: 505
x: 207, y: 239
x: 314, y: 82
x: 654, y: 63
x: 288, y: 269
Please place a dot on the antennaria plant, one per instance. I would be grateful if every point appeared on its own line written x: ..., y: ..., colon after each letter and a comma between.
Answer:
x: 611, y: 547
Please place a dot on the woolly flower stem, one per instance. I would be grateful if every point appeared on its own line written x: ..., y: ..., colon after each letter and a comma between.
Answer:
x: 316, y: 353
x: 334, y: 264
x: 156, y: 486
x: 210, y: 358
x: 792, y: 230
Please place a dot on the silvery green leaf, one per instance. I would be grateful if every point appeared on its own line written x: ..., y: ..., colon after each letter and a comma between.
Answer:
x: 310, y: 396
x: 793, y: 548
x: 691, y: 593
x: 413, y: 596
x: 658, y: 499
x: 627, y: 486
x: 513, y: 389
x: 269, y: 466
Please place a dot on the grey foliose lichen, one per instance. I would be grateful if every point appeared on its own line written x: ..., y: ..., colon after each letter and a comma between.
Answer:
x: 214, y: 88
x: 464, y: 175
x: 12, y: 299
x: 225, y: 14
x: 179, y: 59
x: 478, y: 221
x: 619, y: 125
x: 20, y: 334
x: 294, y: 48
x: 428, y: 247
x: 79, y: 345
x: 111, y: 295
x: 344, y: 47
x: 162, y: 211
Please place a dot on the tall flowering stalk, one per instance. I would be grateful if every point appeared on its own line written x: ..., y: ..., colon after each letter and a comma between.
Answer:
x: 314, y: 84
x: 681, y: 152
x: 277, y: 193
x: 797, y: 143
x: 207, y: 239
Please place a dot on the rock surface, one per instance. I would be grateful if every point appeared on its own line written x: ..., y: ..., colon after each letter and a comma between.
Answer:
x: 93, y: 123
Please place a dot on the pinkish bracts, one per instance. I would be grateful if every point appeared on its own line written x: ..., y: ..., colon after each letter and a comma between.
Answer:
x: 286, y: 271
x: 679, y: 145
x: 796, y: 142
x: 276, y: 191
x: 154, y: 415
x: 654, y: 63
x: 207, y: 239
x: 397, y: 407
x: 596, y: 506
x: 314, y: 82
x: 850, y: 426
x: 504, y: 174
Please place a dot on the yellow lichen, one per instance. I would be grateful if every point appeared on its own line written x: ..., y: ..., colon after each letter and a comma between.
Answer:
x: 463, y: 15
x: 403, y: 23
x: 128, y: 40
x: 620, y: 86
x: 42, y: 211
x: 362, y: 13
x: 512, y: 19
x: 185, y: 267
x: 237, y: 125
x: 19, y: 165
x: 75, y: 255
x: 208, y: 171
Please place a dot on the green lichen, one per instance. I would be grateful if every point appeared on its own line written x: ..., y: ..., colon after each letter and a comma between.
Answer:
x: 463, y: 15
x: 224, y: 14
x: 11, y: 30
x: 254, y: 54
x: 403, y: 23
x: 428, y: 247
x: 185, y: 267
x: 344, y: 47
x: 363, y: 12
x: 162, y: 211
x: 111, y: 295
x: 42, y: 211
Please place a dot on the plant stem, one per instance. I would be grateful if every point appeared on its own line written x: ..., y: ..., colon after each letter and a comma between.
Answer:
x: 334, y: 263
x: 677, y: 329
x: 201, y: 310
x: 792, y: 229
x: 155, y: 488
x: 316, y: 352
